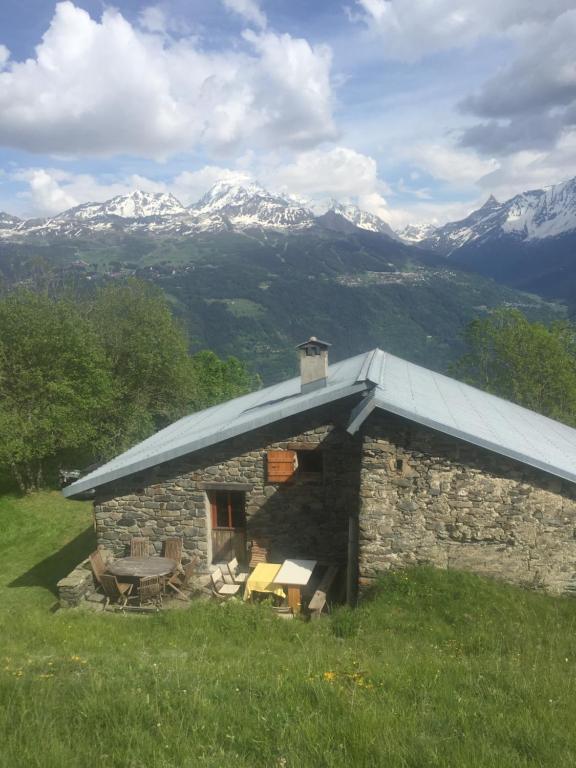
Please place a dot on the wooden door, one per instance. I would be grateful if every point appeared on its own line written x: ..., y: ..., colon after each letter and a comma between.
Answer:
x: 228, y: 513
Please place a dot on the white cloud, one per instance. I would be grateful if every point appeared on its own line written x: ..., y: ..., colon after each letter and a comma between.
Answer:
x: 446, y: 163
x: 411, y: 29
x: 109, y: 87
x: 249, y: 10
x: 339, y: 172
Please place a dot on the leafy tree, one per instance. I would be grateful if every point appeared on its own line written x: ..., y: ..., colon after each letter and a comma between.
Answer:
x: 216, y: 380
x: 148, y: 353
x: 56, y: 385
x: 529, y: 363
x: 85, y: 380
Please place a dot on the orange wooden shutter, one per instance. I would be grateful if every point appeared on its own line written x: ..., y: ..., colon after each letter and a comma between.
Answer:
x: 281, y: 466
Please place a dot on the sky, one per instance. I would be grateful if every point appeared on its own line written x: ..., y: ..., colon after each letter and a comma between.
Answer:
x: 415, y: 110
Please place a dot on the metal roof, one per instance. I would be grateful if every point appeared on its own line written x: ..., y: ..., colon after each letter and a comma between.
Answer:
x: 393, y: 385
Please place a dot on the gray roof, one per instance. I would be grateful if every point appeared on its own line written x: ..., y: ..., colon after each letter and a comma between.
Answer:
x: 390, y: 384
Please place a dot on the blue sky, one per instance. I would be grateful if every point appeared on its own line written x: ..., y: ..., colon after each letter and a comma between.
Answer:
x: 416, y: 110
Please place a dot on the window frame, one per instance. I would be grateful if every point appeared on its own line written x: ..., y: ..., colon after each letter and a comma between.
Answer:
x: 212, y: 497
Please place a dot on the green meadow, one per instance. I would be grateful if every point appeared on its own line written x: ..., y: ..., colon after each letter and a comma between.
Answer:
x: 434, y: 669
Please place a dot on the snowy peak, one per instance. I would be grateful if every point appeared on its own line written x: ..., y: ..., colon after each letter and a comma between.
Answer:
x: 249, y: 206
x: 136, y: 205
x: 362, y: 219
x: 542, y: 213
x: 416, y: 233
x: 528, y: 217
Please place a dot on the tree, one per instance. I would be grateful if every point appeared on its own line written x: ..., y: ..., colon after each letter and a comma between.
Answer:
x: 82, y: 381
x: 216, y: 380
x: 148, y: 354
x: 56, y: 385
x: 529, y: 363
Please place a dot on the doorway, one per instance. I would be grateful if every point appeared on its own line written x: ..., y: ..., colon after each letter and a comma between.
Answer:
x: 228, y: 518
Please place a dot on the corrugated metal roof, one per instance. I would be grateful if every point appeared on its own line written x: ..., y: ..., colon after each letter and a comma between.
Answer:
x: 397, y: 386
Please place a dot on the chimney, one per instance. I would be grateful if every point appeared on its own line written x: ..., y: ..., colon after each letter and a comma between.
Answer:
x: 313, y: 364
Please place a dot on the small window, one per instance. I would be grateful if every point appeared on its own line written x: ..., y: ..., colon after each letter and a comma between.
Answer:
x: 399, y: 466
x: 310, y: 462
x: 228, y: 509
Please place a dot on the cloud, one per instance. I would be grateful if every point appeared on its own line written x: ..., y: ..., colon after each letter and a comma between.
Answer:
x: 249, y: 10
x: 450, y: 164
x: 410, y: 29
x: 107, y: 87
x: 50, y: 191
x: 529, y: 103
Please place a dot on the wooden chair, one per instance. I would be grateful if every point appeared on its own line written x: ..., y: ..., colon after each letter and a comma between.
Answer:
x: 238, y: 576
x: 221, y: 590
x: 98, y: 566
x: 150, y: 590
x: 180, y: 580
x: 139, y: 547
x: 115, y: 591
x: 259, y: 553
x: 173, y: 550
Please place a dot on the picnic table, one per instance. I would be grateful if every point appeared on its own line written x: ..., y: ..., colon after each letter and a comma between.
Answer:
x: 262, y: 579
x: 295, y: 574
x: 140, y: 567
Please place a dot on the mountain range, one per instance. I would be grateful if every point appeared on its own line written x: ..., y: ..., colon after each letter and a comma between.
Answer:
x: 252, y: 273
x: 528, y: 218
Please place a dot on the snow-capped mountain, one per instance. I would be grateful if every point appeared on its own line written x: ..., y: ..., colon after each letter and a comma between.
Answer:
x: 362, y: 219
x: 416, y: 233
x: 531, y: 216
x: 248, y: 207
x: 136, y: 205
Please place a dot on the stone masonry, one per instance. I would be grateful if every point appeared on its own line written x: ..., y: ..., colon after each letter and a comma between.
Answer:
x: 430, y: 498
x: 307, y: 517
x: 418, y: 497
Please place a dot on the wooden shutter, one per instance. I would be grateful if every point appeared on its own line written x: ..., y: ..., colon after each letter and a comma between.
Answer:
x: 281, y: 466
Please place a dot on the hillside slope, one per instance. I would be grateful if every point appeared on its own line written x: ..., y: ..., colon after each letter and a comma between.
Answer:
x: 256, y: 294
x: 439, y: 669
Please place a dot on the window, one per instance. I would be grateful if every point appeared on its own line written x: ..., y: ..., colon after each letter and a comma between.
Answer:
x: 228, y: 509
x: 400, y: 465
x: 310, y: 462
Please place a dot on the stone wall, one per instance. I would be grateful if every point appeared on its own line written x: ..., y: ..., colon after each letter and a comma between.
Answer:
x: 306, y: 517
x: 429, y: 498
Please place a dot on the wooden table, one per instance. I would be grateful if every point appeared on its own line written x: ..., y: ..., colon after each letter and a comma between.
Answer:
x: 140, y: 567
x: 295, y: 574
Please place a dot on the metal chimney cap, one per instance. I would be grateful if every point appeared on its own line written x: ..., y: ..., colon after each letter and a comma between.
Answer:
x: 315, y: 342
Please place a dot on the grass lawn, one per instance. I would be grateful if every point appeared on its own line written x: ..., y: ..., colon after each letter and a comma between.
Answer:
x: 439, y: 669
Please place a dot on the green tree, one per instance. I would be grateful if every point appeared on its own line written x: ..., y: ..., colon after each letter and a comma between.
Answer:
x: 56, y: 385
x: 216, y: 380
x: 529, y: 363
x: 148, y: 354
x: 82, y: 381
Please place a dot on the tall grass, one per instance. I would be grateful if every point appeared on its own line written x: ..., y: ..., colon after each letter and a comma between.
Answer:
x: 436, y: 669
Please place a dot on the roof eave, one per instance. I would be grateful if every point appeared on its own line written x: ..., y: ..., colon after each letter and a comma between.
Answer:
x: 289, y: 408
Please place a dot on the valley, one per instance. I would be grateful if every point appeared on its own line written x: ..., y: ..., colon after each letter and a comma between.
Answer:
x: 251, y: 274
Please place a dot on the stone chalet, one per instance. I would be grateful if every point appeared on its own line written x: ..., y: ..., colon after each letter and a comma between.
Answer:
x: 371, y: 463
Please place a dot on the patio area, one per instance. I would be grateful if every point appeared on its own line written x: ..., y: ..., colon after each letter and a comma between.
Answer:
x: 144, y: 581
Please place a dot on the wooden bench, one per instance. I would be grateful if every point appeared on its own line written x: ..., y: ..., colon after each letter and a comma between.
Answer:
x: 318, y: 601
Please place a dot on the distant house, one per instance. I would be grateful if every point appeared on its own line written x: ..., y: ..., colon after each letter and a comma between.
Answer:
x: 371, y: 463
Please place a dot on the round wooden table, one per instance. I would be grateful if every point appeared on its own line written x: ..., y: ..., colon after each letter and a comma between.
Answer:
x: 139, y: 567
